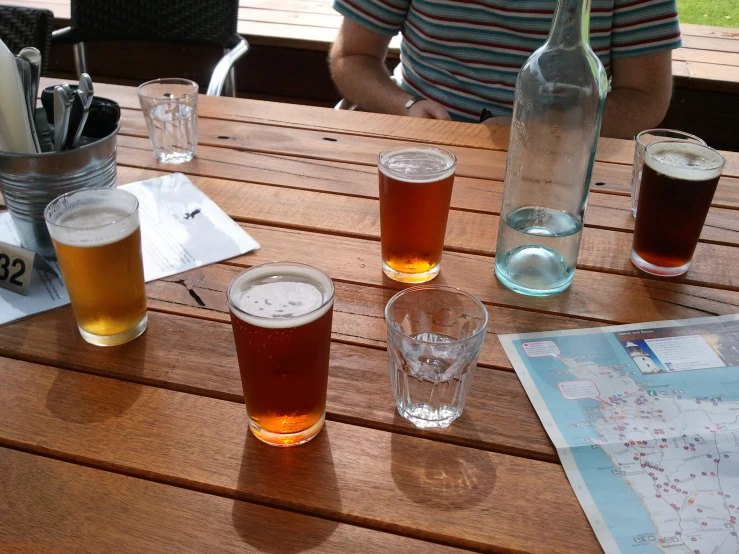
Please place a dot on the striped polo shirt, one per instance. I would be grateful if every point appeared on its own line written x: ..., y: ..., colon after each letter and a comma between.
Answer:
x: 466, y: 54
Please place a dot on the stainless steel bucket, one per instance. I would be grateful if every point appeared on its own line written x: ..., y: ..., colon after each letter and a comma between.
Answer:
x: 30, y: 182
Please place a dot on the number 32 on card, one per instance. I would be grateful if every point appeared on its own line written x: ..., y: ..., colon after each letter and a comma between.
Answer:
x: 15, y: 268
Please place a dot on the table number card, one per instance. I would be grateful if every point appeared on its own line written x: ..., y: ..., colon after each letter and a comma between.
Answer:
x: 16, y: 264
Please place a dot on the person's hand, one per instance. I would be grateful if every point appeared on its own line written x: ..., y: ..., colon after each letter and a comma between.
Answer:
x: 428, y: 109
x: 498, y: 121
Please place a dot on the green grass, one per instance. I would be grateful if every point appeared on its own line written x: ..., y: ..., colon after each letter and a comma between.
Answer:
x: 723, y: 13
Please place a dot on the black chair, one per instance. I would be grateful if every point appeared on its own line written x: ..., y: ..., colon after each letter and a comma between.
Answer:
x: 21, y: 27
x: 207, y: 22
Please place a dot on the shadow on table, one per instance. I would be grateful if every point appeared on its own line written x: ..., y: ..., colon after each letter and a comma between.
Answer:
x: 439, y: 476
x: 83, y: 399
x: 300, y: 478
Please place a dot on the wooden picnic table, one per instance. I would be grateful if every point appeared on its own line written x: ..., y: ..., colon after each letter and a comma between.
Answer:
x: 708, y: 60
x: 144, y: 447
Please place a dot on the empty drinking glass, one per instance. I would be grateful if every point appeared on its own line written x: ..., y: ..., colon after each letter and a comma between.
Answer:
x: 171, y: 111
x: 640, y: 143
x: 434, y: 336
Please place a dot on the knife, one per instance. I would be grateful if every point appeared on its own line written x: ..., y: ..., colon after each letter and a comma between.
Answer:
x: 34, y: 58
x: 83, y: 98
x: 62, y: 105
x: 26, y: 75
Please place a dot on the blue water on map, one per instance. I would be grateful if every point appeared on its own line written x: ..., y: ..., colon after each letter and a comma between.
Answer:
x: 619, y: 505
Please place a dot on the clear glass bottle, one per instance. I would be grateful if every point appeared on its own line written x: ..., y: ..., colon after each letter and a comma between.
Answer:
x: 560, y: 95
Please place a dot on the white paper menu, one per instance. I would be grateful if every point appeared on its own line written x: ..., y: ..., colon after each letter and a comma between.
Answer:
x: 181, y: 229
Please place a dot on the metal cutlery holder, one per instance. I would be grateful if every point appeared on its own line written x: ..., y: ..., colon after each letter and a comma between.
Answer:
x: 30, y: 182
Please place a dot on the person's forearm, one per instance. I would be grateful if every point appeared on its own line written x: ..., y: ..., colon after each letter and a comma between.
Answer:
x: 365, y: 81
x: 630, y: 111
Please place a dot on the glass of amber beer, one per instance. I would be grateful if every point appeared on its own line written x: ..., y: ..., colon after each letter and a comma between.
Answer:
x: 640, y: 143
x: 281, y: 315
x: 415, y: 192
x: 97, y: 241
x: 678, y: 183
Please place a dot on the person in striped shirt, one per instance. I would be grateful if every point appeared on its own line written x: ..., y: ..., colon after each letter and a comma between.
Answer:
x: 459, y: 57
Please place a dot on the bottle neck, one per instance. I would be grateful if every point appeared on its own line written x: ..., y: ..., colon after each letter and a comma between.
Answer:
x: 571, y: 25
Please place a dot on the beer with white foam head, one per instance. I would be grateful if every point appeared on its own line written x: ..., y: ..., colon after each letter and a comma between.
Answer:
x: 415, y: 192
x: 678, y: 182
x: 281, y: 315
x: 97, y: 241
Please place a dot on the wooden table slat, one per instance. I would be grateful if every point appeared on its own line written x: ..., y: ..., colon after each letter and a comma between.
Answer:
x: 61, y: 9
x: 305, y: 6
x: 56, y: 507
x: 590, y: 297
x: 692, y: 42
x: 709, y: 31
x: 280, y: 34
x: 713, y: 77
x: 715, y: 57
x: 287, y: 17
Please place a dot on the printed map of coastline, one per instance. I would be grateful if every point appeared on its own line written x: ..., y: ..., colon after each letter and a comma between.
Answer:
x: 650, y: 444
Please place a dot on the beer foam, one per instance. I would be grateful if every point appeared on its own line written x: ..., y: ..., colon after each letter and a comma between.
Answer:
x: 90, y: 225
x: 417, y: 165
x: 281, y: 296
x: 687, y: 161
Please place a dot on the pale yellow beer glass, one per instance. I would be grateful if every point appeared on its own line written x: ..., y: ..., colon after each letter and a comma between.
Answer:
x: 97, y: 240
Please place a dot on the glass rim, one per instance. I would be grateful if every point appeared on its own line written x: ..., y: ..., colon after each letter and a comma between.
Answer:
x: 445, y: 288
x: 105, y: 191
x: 421, y: 145
x: 702, y: 146
x: 326, y: 302
x: 665, y: 130
x: 171, y: 80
